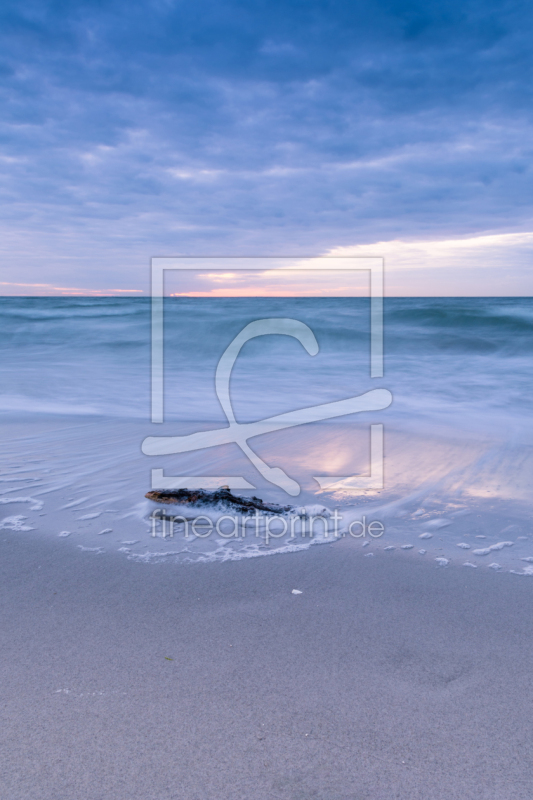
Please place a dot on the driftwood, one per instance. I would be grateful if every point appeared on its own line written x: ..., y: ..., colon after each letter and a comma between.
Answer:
x: 222, y: 496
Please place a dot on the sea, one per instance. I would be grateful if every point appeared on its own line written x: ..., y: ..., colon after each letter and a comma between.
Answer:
x: 449, y: 479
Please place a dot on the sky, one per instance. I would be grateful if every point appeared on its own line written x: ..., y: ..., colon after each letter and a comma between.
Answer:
x: 376, y: 127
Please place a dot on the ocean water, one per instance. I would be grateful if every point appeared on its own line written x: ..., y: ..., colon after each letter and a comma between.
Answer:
x: 75, y: 405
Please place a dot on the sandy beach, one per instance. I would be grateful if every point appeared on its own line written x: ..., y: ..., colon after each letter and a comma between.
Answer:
x: 386, y: 678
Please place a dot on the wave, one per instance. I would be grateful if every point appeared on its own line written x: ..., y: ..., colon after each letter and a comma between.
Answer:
x: 460, y: 361
x: 38, y: 406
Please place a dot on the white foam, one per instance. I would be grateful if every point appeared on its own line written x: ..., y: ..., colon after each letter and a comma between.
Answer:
x: 528, y: 558
x: 422, y: 552
x: 223, y: 553
x: 484, y: 551
x: 148, y: 556
x: 37, y: 505
x: 469, y: 564
x: 106, y: 530
x: 91, y: 549
x: 494, y: 565
x: 407, y: 546
x: 426, y: 536
x: 525, y: 571
x: 92, y: 515
x: 442, y: 562
x: 463, y: 546
x: 314, y: 511
x: 15, y: 523
x: 368, y: 554
x: 64, y: 534
x: 390, y: 547
x: 296, y: 591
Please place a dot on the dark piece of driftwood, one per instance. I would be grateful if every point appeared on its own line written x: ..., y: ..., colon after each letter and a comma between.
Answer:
x: 222, y: 496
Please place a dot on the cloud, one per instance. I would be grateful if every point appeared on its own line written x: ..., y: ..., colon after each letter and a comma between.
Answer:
x: 491, y: 265
x: 475, y: 251
x: 164, y: 127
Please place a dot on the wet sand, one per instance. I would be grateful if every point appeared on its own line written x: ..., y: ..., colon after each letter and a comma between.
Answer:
x: 386, y: 679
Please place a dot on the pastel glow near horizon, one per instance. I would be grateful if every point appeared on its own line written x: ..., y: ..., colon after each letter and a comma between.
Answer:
x: 383, y: 129
x: 45, y: 290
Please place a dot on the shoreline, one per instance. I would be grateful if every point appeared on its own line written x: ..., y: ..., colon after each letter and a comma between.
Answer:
x: 91, y: 479
x: 384, y: 678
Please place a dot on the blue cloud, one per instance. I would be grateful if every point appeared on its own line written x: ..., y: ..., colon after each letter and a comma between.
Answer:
x: 129, y: 130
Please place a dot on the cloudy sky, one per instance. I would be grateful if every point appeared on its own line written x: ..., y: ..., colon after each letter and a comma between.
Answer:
x: 262, y: 127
